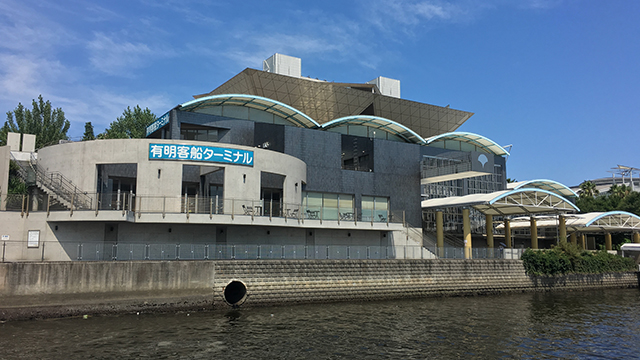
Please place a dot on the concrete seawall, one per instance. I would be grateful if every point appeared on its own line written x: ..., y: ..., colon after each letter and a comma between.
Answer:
x: 32, y: 290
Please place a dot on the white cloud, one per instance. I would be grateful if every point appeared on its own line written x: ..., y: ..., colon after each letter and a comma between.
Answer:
x: 102, y: 106
x: 117, y: 57
x: 541, y: 4
x: 390, y: 15
x: 23, y: 78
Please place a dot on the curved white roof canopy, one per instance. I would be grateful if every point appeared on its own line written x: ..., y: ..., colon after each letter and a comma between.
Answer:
x: 480, y: 141
x: 377, y: 123
x: 544, y: 184
x: 612, y: 221
x: 293, y: 115
x: 507, y: 202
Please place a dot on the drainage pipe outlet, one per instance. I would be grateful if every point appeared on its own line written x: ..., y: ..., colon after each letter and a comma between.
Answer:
x: 235, y: 293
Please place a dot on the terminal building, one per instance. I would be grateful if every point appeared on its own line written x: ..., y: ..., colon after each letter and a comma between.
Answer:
x: 271, y: 164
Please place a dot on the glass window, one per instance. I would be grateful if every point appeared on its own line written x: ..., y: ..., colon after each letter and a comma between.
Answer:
x: 467, y: 147
x: 260, y: 116
x: 367, y: 208
x: 375, y: 208
x: 238, y: 112
x: 358, y: 130
x: 327, y: 206
x: 330, y: 207
x: 280, y: 120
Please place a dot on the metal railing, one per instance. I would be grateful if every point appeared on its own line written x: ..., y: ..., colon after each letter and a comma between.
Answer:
x: 189, y: 205
x: 53, y: 183
x: 13, y: 251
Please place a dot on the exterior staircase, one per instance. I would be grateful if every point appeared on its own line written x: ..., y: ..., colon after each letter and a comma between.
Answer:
x: 56, y: 185
x: 418, y: 236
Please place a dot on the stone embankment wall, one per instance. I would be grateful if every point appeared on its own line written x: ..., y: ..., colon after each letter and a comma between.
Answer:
x: 30, y: 290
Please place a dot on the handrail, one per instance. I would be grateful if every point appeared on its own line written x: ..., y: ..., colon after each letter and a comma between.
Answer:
x: 140, y: 251
x: 54, y: 182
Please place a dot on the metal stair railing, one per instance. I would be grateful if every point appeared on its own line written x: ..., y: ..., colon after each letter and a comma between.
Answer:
x: 53, y: 183
x: 415, y: 233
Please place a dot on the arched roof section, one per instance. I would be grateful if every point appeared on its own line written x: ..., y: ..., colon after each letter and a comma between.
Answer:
x: 480, y: 141
x: 614, y: 219
x: 594, y: 222
x: 293, y: 115
x: 378, y: 123
x: 507, y: 202
x: 544, y: 184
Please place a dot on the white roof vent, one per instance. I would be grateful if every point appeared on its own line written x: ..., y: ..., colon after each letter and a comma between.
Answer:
x: 387, y: 86
x: 283, y: 65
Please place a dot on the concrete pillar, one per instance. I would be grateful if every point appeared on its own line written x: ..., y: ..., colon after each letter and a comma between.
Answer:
x: 562, y: 225
x: 607, y: 241
x: 534, y: 233
x: 5, y: 157
x: 507, y: 233
x: 466, y: 228
x: 583, y: 241
x: 439, y: 232
x: 489, y: 222
x: 574, y: 238
x: 636, y: 237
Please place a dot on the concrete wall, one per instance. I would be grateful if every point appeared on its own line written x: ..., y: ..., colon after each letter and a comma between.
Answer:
x: 59, y: 240
x: 26, y: 287
x: 77, y: 161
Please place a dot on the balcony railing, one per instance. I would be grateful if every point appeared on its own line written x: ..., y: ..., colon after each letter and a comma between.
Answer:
x: 127, y: 251
x: 128, y: 202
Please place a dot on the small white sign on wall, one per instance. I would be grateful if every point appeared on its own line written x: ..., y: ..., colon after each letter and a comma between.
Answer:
x: 34, y: 238
x: 5, y: 237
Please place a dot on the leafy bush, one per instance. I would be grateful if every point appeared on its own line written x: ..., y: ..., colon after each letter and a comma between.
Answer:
x: 567, y: 258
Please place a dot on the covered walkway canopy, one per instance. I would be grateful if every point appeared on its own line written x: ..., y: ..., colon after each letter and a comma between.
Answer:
x: 378, y: 123
x: 595, y: 222
x: 474, y: 140
x: 277, y: 108
x: 544, y: 184
x: 503, y: 203
x: 507, y: 202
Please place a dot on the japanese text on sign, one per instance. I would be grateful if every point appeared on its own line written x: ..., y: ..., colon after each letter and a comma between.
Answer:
x: 160, y: 122
x: 200, y: 153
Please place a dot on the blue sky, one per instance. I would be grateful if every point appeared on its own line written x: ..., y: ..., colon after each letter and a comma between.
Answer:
x: 557, y: 79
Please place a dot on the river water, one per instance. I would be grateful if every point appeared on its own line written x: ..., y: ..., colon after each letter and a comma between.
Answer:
x: 603, y: 324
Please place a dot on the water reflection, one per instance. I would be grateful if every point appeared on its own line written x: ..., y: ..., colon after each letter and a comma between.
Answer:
x: 603, y: 323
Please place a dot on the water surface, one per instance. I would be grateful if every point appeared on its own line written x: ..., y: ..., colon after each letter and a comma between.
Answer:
x: 603, y: 324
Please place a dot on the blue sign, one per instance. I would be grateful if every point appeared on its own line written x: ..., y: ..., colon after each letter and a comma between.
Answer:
x: 160, y: 122
x: 200, y: 153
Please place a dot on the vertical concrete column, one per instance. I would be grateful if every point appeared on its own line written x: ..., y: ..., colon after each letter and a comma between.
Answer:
x: 534, y: 233
x: 583, y: 241
x: 489, y: 227
x: 562, y: 224
x: 607, y: 241
x: 574, y: 238
x: 466, y: 228
x: 507, y: 233
x: 439, y: 232
x: 636, y: 237
x: 5, y: 157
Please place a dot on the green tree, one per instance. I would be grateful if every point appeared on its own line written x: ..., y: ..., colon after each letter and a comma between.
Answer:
x: 631, y: 203
x: 588, y: 189
x: 88, y: 132
x: 131, y: 125
x: 49, y: 125
x: 510, y: 180
x: 620, y: 191
x: 601, y: 203
x: 16, y: 185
